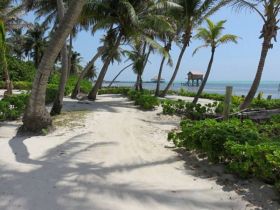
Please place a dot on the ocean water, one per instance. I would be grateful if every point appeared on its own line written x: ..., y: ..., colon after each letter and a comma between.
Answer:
x: 239, y: 88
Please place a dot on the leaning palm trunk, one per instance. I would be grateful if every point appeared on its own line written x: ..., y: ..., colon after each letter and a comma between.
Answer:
x: 121, y: 71
x: 176, y: 69
x: 58, y: 102
x: 92, y: 95
x: 77, y: 88
x: 36, y: 117
x: 250, y: 96
x: 3, y: 61
x: 201, y: 88
x: 159, y: 76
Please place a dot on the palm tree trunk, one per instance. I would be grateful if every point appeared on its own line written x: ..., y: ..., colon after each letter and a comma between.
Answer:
x: 159, y: 76
x: 201, y: 88
x: 70, y: 53
x: 176, y: 69
x: 58, y: 102
x: 76, y: 90
x: 3, y: 61
x: 121, y: 71
x: 36, y: 117
x: 250, y: 96
x: 92, y: 95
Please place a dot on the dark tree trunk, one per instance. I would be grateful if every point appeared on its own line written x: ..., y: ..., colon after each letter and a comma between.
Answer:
x: 121, y: 71
x: 36, y: 117
x: 176, y: 70
x: 58, y: 102
x: 93, y: 94
x: 250, y: 96
x: 201, y: 88
x: 70, y: 54
x: 76, y: 90
x: 159, y: 77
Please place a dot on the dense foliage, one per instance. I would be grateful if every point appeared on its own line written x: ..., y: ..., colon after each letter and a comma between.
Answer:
x: 143, y: 99
x: 12, y: 107
x: 20, y: 70
x: 188, y: 110
x: 248, y: 149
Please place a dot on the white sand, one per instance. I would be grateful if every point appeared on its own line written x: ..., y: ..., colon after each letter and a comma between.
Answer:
x: 117, y: 159
x: 202, y: 101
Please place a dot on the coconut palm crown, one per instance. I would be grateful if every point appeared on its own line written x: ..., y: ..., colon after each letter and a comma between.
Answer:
x: 212, y: 37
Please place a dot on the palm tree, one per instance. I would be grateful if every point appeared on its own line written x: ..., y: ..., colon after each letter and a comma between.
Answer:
x: 3, y: 60
x: 86, y: 71
x: 130, y: 19
x: 213, y: 38
x: 16, y: 43
x: 36, y: 117
x: 138, y: 56
x: 75, y: 63
x: 36, y: 42
x: 270, y: 19
x: 189, y: 16
x: 58, y: 102
x: 9, y: 19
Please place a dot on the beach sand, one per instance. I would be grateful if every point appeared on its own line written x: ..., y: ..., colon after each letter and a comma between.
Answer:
x: 109, y: 155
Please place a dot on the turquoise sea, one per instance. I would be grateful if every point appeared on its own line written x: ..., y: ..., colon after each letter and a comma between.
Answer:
x: 239, y: 88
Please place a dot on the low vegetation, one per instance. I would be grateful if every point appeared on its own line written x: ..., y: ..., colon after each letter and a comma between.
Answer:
x: 248, y: 149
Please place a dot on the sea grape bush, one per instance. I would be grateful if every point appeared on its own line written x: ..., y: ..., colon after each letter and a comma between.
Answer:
x: 143, y: 99
x: 11, y: 107
x: 188, y: 110
x: 248, y: 149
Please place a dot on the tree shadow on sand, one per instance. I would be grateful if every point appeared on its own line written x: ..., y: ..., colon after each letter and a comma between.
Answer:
x: 59, y: 181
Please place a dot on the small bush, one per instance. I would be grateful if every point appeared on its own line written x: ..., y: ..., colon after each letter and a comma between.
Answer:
x: 188, y: 110
x: 144, y: 99
x: 209, y: 136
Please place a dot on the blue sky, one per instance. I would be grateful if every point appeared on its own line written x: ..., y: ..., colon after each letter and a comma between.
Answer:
x: 232, y: 62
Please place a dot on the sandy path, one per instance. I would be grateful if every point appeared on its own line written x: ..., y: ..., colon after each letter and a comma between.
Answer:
x: 115, y: 160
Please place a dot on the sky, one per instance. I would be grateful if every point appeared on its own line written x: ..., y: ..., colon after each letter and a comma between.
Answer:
x: 233, y: 62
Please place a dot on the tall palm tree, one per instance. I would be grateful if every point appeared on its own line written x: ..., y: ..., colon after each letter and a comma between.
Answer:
x: 138, y: 56
x: 189, y: 16
x: 270, y: 17
x: 36, y: 42
x: 212, y: 37
x: 36, y: 117
x: 3, y: 60
x: 58, y: 102
x: 129, y: 18
x: 9, y: 19
x: 86, y: 71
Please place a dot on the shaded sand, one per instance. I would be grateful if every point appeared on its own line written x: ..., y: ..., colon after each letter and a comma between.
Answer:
x: 113, y: 157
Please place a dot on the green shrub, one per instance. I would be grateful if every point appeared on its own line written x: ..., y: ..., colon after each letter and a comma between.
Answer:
x: 20, y: 70
x: 248, y: 149
x: 261, y: 160
x: 51, y: 93
x: 143, y: 99
x: 12, y: 107
x: 209, y: 136
x: 86, y: 85
x: 187, y: 109
x: 114, y: 90
x: 267, y: 104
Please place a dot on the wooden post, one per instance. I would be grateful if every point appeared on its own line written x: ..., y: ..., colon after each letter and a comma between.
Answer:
x: 227, y: 102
